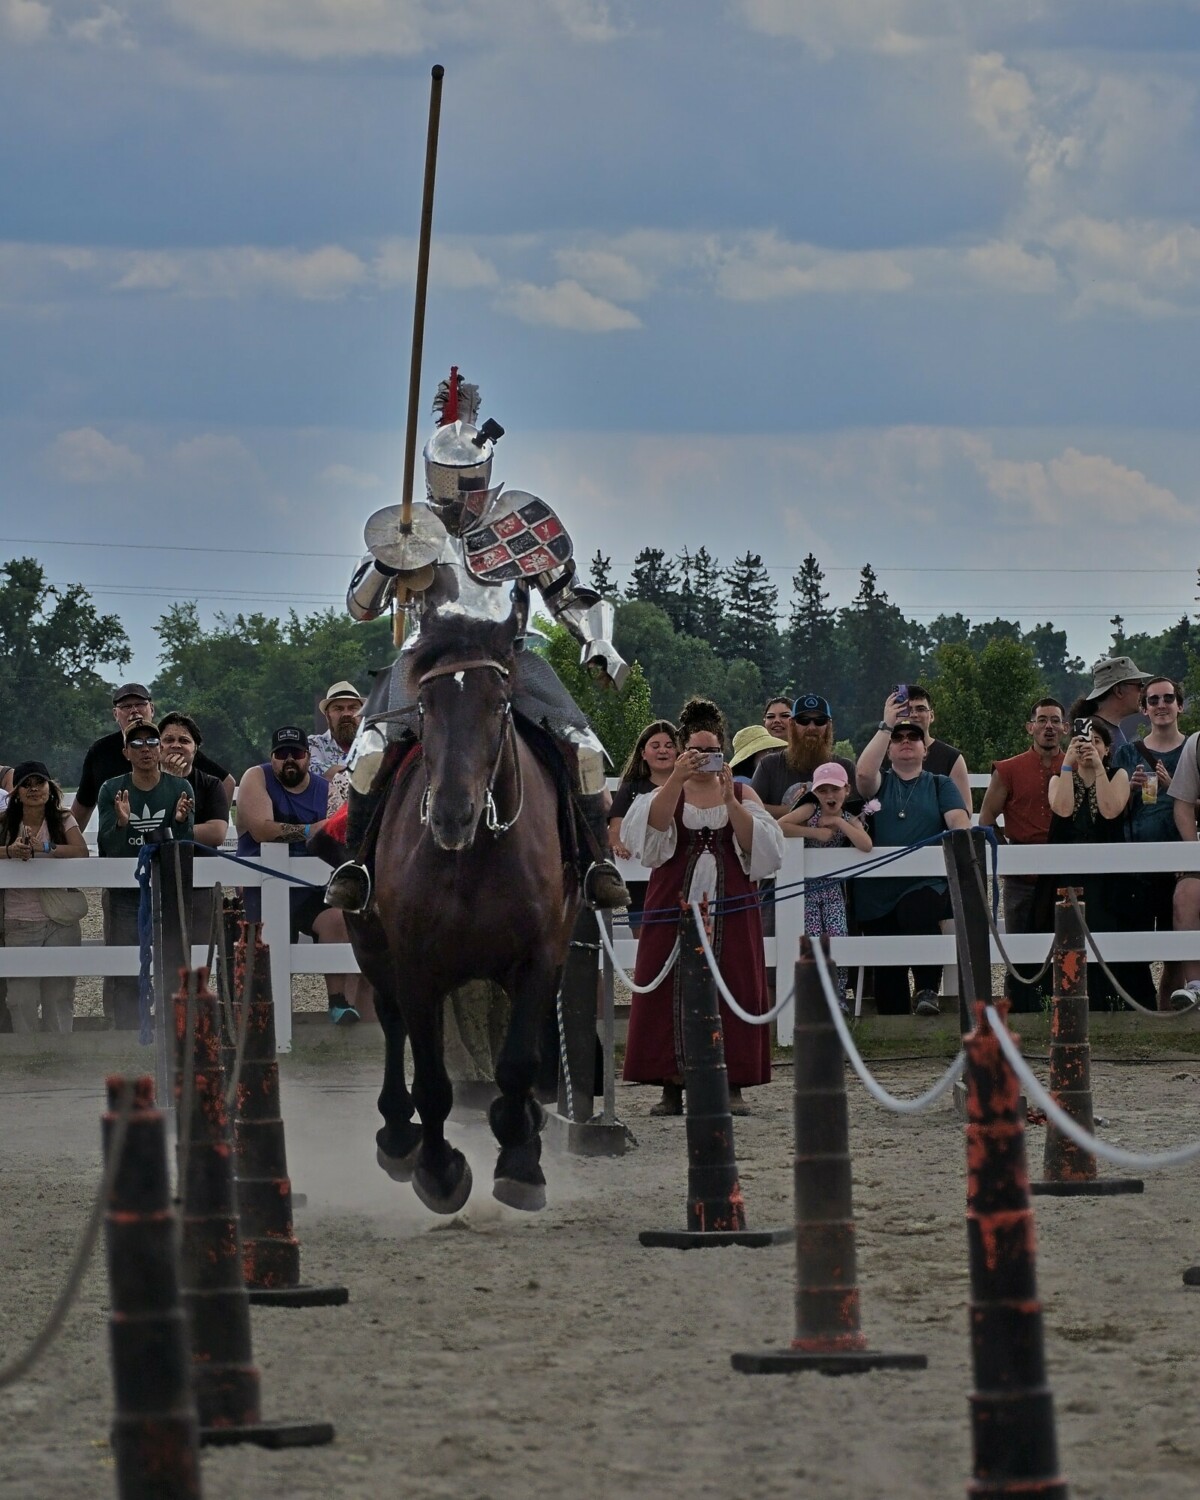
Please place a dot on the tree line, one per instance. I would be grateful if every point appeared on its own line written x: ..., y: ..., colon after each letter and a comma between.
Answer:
x: 689, y: 624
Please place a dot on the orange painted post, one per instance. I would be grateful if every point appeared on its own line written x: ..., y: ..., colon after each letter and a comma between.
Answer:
x: 716, y: 1210
x: 1012, y: 1408
x: 155, y: 1432
x: 270, y: 1249
x: 1069, y: 1169
x: 228, y: 1385
x: 829, y: 1336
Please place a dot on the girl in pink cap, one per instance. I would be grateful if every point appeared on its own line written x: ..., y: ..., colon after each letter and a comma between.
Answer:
x: 829, y: 824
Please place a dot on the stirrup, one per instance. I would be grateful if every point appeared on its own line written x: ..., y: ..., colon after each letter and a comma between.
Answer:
x: 349, y: 888
x: 603, y: 888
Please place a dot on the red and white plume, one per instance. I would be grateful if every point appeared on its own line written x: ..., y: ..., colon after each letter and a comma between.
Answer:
x: 456, y: 401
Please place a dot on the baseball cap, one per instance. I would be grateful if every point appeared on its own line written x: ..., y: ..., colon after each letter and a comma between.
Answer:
x: 830, y: 774
x: 909, y: 724
x: 131, y: 690
x: 28, y: 768
x: 288, y: 734
x: 812, y: 703
x: 140, y: 726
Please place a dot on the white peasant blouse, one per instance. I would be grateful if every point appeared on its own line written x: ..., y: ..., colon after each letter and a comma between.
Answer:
x: 654, y: 847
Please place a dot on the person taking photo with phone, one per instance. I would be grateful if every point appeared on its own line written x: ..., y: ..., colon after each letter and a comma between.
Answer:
x: 702, y: 834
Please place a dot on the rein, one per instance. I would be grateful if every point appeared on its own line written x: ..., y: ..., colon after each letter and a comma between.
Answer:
x: 507, y: 738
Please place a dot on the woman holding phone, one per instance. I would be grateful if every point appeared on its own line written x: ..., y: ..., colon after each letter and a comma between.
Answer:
x: 1087, y: 806
x: 701, y: 833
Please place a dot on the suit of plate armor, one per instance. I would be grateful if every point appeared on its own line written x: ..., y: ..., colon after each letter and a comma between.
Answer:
x: 489, y: 549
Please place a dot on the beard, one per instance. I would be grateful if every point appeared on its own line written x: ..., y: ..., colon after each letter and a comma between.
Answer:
x: 292, y: 774
x: 343, y: 735
x: 808, y: 748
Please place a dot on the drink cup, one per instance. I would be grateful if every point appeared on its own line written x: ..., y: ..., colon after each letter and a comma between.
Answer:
x: 1150, y: 788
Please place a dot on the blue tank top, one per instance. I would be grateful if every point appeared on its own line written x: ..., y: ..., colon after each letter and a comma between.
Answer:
x: 308, y: 806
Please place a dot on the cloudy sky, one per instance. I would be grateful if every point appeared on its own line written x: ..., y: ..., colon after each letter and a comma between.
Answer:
x: 907, y: 282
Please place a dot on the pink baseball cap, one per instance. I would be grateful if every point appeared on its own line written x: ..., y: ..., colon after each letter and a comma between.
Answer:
x: 830, y: 774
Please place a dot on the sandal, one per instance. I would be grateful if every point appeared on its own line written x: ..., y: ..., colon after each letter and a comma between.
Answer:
x: 671, y: 1102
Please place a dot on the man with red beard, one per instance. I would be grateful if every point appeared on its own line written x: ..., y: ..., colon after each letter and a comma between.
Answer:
x: 783, y: 776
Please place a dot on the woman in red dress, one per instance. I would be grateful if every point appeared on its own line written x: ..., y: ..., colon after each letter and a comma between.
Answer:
x: 701, y: 833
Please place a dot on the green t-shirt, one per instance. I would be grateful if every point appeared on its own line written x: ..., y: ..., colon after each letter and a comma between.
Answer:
x: 909, y: 812
x: 148, y: 811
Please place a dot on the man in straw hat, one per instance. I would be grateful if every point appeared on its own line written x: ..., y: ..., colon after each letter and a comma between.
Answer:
x: 342, y: 707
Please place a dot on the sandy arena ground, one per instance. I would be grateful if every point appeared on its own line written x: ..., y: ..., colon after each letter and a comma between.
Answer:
x: 499, y: 1355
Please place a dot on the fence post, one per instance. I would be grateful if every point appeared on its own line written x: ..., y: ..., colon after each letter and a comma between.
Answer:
x: 277, y: 934
x: 971, y: 936
x: 170, y: 871
x: 789, y: 929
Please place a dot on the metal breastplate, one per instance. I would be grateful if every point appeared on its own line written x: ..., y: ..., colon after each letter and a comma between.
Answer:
x: 456, y: 591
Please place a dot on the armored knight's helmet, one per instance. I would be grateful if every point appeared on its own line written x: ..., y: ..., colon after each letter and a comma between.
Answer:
x: 458, y: 457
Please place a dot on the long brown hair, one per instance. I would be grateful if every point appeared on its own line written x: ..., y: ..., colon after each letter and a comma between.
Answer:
x: 10, y: 820
x: 635, y: 768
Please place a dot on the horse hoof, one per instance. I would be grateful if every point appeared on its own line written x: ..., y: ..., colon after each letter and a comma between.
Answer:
x: 398, y: 1168
x: 529, y: 1197
x: 425, y: 1186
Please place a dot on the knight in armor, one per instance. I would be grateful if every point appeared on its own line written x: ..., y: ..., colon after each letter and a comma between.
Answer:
x: 488, y: 550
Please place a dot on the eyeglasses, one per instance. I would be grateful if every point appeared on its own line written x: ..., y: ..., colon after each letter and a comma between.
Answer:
x: 818, y: 721
x: 919, y: 708
x: 289, y: 752
x: 1154, y: 699
x: 143, y: 744
x: 1048, y: 723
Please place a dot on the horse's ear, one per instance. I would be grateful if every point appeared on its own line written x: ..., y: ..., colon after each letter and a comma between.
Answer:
x: 518, y: 617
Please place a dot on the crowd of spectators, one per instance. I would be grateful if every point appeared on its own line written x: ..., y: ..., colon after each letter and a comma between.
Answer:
x: 1091, y: 774
x: 148, y: 781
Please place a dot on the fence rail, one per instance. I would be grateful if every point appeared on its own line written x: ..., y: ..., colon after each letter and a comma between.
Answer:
x: 800, y: 863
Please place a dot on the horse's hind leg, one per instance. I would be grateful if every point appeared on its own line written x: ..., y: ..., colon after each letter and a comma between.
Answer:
x: 516, y: 1117
x: 397, y: 1140
x: 441, y: 1177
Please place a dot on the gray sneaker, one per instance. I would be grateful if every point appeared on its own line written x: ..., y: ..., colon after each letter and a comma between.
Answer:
x: 927, y: 1004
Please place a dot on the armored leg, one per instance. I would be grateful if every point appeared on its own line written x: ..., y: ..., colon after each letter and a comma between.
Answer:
x: 350, y: 885
x: 602, y: 883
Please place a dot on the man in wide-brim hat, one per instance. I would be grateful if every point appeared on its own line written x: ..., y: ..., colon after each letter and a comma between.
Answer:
x: 1116, y: 693
x: 342, y: 707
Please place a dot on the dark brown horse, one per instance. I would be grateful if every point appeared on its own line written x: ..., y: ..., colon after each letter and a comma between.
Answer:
x: 470, y: 883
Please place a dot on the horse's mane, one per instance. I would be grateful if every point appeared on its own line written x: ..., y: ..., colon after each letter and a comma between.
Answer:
x: 459, y: 637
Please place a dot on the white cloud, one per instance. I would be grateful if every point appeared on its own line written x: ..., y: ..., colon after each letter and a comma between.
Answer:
x: 24, y: 20
x: 212, y: 451
x: 894, y: 27
x: 454, y: 266
x: 566, y: 305
x: 86, y: 456
x: 1077, y: 487
x: 107, y: 27
x: 1008, y: 266
x: 344, y: 476
x: 314, y: 275
x: 764, y: 267
x: 604, y: 272
x: 309, y: 29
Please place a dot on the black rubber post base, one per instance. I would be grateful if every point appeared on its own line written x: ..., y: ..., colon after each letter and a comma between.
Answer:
x: 705, y: 1239
x: 1098, y: 1187
x: 1191, y: 1277
x: 298, y: 1296
x: 270, y: 1435
x: 834, y: 1362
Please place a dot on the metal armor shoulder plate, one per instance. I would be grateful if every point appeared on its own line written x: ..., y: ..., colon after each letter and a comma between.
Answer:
x: 522, y: 538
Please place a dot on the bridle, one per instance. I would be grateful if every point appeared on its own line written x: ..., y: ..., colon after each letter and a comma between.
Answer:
x: 507, y: 737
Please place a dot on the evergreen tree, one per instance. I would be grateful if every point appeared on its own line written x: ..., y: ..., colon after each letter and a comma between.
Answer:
x: 1118, y: 636
x: 811, y: 642
x: 655, y: 581
x: 749, y: 629
x: 1064, y: 675
x: 879, y: 648
x: 687, y: 613
x: 708, y: 596
x: 602, y: 579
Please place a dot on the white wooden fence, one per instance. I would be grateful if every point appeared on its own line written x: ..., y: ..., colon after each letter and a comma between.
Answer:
x: 800, y: 862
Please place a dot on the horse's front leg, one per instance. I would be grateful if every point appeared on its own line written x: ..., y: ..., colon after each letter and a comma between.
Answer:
x: 441, y: 1177
x: 397, y: 1140
x: 516, y: 1117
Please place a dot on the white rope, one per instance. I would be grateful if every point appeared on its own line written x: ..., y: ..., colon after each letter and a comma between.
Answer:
x: 638, y: 989
x: 744, y: 1015
x: 872, y: 1086
x: 1063, y: 1121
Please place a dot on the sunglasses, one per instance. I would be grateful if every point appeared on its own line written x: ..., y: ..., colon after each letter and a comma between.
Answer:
x: 1153, y: 699
x: 289, y: 752
x: 34, y: 781
x: 143, y: 744
x: 817, y: 721
x: 907, y: 739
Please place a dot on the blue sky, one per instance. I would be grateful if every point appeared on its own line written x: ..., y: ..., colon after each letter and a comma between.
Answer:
x: 907, y: 282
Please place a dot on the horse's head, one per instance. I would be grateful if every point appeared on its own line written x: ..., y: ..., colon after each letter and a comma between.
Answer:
x: 461, y: 671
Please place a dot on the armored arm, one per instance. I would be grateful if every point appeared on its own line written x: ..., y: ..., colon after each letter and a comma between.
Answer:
x: 589, y: 619
x: 371, y: 589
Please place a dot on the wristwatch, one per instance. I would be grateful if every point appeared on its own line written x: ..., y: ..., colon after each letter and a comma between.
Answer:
x: 884, y: 725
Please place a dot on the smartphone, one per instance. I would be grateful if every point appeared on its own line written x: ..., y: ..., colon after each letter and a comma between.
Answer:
x: 1082, y: 728
x: 900, y: 692
x: 712, y: 760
